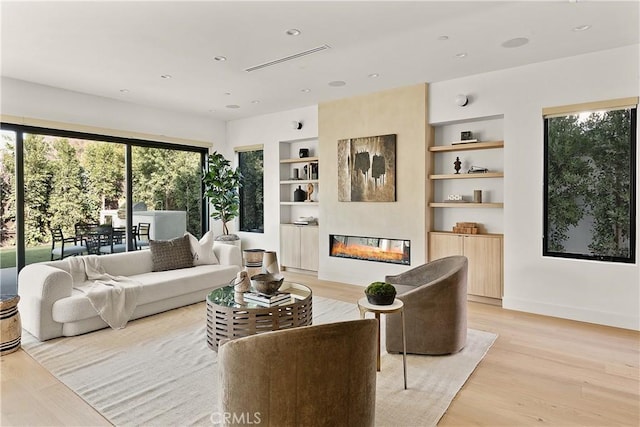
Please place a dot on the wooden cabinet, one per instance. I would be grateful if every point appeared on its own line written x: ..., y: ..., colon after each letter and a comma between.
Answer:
x: 484, y: 252
x: 299, y: 247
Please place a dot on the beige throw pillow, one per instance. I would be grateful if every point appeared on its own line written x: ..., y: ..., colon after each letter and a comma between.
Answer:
x: 171, y: 254
x: 202, y: 250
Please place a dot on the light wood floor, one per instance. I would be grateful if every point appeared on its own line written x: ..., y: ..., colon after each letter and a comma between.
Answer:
x: 540, y: 370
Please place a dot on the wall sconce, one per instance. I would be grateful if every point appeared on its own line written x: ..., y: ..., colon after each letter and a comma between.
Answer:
x: 296, y: 125
x: 462, y: 100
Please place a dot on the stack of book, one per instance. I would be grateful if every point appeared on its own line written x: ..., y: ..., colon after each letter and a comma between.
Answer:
x: 466, y: 228
x: 267, y: 300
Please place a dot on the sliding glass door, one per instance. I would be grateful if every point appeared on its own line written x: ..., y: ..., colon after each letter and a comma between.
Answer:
x: 52, y: 181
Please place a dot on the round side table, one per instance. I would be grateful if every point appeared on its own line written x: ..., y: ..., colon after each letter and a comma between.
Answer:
x: 10, y: 325
x: 397, y: 307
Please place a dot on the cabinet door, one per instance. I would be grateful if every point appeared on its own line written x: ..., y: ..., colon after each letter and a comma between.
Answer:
x: 485, y: 265
x: 290, y: 246
x: 309, y: 252
x: 444, y: 244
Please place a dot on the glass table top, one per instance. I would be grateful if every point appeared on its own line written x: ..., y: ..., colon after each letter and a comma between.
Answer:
x: 227, y: 297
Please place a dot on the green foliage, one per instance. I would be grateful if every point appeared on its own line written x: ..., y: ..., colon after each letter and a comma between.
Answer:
x: 38, y: 181
x: 7, y: 187
x: 252, y: 190
x: 589, y: 181
x: 104, y: 164
x: 380, y: 288
x: 67, y: 201
x: 69, y: 181
x: 221, y: 188
x: 169, y: 180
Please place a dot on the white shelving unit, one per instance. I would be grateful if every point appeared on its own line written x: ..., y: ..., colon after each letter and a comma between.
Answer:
x: 484, y: 250
x: 299, y: 243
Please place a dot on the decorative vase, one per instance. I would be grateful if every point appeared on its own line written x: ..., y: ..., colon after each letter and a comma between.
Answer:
x: 299, y: 195
x: 270, y: 263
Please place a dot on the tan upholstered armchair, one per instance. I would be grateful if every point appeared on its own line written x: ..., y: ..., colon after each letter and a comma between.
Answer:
x: 321, y: 375
x: 435, y: 307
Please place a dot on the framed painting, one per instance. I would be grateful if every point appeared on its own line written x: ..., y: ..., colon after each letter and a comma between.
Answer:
x: 367, y: 169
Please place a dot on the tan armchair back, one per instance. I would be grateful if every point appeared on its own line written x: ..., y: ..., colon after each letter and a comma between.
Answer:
x: 435, y: 307
x: 321, y: 375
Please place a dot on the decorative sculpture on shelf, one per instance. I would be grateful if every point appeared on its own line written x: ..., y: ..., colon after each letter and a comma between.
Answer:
x: 309, y: 191
x: 457, y: 165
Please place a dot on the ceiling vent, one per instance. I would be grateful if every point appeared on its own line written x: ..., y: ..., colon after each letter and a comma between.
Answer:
x: 288, y: 58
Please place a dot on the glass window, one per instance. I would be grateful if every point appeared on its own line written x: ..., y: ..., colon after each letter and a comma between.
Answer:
x: 251, y: 167
x: 590, y: 197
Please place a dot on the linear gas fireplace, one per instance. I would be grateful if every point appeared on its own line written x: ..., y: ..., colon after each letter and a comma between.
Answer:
x: 393, y: 251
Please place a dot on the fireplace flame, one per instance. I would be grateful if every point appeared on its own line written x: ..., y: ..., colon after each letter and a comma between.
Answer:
x: 366, y: 252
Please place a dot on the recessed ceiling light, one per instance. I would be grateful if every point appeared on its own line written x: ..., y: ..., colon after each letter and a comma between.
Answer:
x: 461, y: 55
x: 255, y: 101
x: 581, y: 28
x: 443, y: 38
x: 212, y: 111
x: 220, y: 58
x: 124, y: 90
x: 305, y: 90
x: 337, y: 83
x: 227, y: 93
x: 166, y: 76
x: 517, y: 42
x: 232, y: 106
x: 293, y: 32
x: 373, y: 75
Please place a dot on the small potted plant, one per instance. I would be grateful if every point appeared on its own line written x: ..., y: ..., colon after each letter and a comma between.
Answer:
x: 380, y: 293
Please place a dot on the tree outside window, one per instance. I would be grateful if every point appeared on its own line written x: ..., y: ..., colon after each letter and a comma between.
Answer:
x: 590, y: 198
x: 250, y: 164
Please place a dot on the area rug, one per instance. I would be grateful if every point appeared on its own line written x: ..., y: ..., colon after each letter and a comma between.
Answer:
x: 158, y: 371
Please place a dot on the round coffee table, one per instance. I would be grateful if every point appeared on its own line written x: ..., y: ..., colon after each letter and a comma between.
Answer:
x: 230, y: 317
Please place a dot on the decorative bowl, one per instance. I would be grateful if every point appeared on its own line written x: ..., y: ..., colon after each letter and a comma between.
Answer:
x: 266, y: 283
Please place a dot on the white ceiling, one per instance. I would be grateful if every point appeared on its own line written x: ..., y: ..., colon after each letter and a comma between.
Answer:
x: 100, y: 48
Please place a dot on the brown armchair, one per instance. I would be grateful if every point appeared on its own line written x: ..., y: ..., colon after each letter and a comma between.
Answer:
x: 435, y: 307
x: 317, y: 375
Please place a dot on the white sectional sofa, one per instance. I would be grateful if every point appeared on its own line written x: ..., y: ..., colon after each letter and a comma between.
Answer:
x: 50, y: 307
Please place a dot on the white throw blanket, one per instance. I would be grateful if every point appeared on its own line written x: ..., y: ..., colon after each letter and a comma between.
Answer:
x: 114, y: 297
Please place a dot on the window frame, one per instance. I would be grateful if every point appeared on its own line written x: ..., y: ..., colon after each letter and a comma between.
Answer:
x: 610, y: 105
x: 128, y: 142
x: 239, y: 151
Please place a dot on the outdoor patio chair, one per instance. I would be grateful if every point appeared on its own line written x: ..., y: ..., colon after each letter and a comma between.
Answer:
x: 142, y: 236
x: 62, y: 247
x: 116, y: 241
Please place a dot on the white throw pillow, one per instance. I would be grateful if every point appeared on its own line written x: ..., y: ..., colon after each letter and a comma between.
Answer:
x: 203, y: 250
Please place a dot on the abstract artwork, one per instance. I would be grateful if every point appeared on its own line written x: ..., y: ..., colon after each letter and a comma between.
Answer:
x: 367, y: 169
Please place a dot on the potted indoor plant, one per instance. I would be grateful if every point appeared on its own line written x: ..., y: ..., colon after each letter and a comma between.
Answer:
x: 221, y: 182
x: 380, y: 293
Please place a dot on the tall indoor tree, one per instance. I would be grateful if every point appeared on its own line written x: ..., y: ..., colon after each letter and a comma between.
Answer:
x: 222, y: 183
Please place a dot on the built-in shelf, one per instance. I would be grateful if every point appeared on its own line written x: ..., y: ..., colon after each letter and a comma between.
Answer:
x: 299, y: 203
x: 468, y: 175
x: 468, y: 234
x: 468, y: 146
x: 300, y: 181
x: 300, y: 160
x: 465, y: 205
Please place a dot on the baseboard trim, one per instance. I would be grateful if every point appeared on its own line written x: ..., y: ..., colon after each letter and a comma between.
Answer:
x: 572, y: 313
x: 485, y: 300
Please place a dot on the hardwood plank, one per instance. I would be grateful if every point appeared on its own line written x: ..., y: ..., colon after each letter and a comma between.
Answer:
x: 540, y: 370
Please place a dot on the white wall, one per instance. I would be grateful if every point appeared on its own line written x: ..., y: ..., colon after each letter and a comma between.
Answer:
x: 34, y: 101
x: 598, y: 292
x: 270, y: 130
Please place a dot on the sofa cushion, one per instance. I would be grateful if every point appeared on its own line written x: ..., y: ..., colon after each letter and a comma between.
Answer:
x: 171, y: 254
x: 203, y: 250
